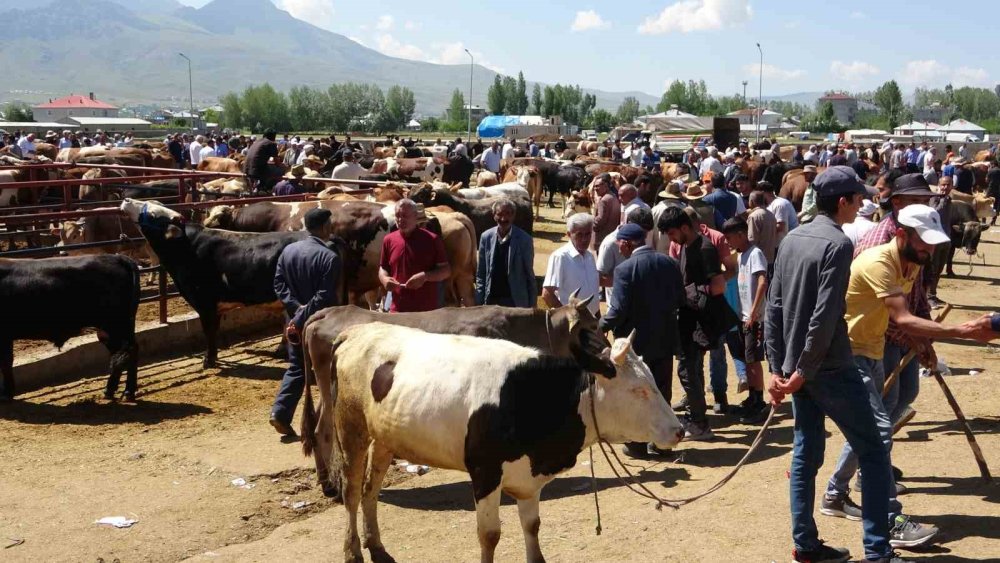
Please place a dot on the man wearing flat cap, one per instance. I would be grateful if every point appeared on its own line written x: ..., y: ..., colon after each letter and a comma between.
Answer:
x: 305, y: 281
x: 647, y: 291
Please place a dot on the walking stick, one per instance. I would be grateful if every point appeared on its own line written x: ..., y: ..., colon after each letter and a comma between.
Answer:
x: 984, y: 470
x: 891, y: 380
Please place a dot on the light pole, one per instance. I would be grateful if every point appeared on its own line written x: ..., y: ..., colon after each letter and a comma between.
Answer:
x: 468, y: 131
x: 760, y: 91
x: 744, y: 91
x: 190, y: 87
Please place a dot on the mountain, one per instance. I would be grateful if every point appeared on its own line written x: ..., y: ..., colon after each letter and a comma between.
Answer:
x: 127, y: 51
x: 807, y: 99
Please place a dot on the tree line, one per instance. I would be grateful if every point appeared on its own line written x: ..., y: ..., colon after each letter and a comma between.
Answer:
x: 341, y: 107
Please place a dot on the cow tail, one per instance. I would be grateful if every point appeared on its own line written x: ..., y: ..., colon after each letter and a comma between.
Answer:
x: 308, y: 424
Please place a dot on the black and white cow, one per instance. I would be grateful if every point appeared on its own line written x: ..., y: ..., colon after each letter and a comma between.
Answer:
x: 965, y: 230
x: 508, y: 415
x: 213, y: 269
x: 55, y: 298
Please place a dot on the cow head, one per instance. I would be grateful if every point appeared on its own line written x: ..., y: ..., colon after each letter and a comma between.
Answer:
x: 70, y: 232
x: 220, y: 217
x: 153, y: 217
x: 971, y: 233
x: 424, y: 194
x: 629, y: 406
x: 585, y: 341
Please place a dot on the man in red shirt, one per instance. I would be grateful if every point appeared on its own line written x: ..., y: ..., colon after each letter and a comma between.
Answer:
x: 417, y: 256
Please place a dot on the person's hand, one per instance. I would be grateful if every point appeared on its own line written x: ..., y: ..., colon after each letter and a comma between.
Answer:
x: 925, y: 353
x: 773, y: 390
x: 792, y: 384
x: 754, y: 318
x: 391, y: 284
x: 980, y: 329
x: 417, y: 281
x: 292, y: 334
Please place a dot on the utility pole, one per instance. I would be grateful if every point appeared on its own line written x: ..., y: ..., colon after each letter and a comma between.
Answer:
x: 468, y: 131
x: 760, y: 91
x: 744, y: 92
x: 190, y: 88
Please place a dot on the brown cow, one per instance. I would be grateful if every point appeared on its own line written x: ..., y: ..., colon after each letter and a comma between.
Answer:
x: 529, y: 177
x: 99, y: 192
x: 425, y: 169
x: 480, y: 211
x: 460, y: 244
x: 486, y: 179
x: 47, y: 150
x: 217, y: 164
x: 982, y: 156
x: 102, y: 228
x: 793, y: 187
x: 629, y: 173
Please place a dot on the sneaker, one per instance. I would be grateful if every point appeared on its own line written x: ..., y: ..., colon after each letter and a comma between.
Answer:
x: 907, y: 533
x: 822, y: 554
x: 900, y: 488
x: 904, y: 419
x: 894, y: 558
x: 840, y: 508
x: 681, y: 405
x: 698, y: 432
x: 756, y: 414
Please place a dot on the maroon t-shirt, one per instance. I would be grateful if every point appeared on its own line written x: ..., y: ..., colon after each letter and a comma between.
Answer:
x: 403, y: 257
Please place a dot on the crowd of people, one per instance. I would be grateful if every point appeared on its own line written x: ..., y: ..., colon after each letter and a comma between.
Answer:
x: 24, y: 144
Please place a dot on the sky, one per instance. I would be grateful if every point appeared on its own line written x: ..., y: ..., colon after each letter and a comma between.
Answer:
x: 807, y: 46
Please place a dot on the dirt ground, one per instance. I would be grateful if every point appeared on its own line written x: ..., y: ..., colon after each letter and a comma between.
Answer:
x: 68, y: 458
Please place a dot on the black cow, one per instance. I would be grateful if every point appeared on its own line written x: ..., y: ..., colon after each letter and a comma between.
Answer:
x: 458, y: 169
x: 565, y: 180
x: 210, y: 266
x: 965, y: 230
x: 479, y: 211
x: 55, y: 298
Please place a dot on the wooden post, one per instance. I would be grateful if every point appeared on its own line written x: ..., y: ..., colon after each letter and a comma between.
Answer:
x: 984, y: 470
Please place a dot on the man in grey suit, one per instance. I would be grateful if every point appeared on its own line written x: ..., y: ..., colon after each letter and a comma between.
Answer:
x: 505, y: 275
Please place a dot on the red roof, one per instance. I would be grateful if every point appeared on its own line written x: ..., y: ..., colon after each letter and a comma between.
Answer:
x: 837, y: 97
x: 76, y: 101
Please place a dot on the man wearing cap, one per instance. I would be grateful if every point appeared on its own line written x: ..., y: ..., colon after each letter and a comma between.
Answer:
x: 725, y: 202
x: 965, y: 178
x: 650, y: 161
x: 413, y: 263
x: 608, y: 254
x: 305, y: 281
x: 932, y: 272
x: 880, y: 277
x: 671, y: 196
x: 509, y: 148
x: 291, y: 184
x: 810, y: 358
x: 809, y: 198
x: 257, y: 165
x: 863, y: 223
x: 349, y: 169
x: 648, y: 288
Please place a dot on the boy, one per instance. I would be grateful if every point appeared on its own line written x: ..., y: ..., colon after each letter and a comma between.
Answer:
x: 753, y: 295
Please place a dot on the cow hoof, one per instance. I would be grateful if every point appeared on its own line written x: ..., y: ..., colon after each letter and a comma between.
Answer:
x: 208, y: 364
x: 950, y: 274
x: 109, y: 396
x: 380, y: 555
x: 331, y: 492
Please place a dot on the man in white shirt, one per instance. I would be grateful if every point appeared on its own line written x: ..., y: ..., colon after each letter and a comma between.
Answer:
x: 208, y: 150
x: 862, y: 224
x: 27, y: 145
x: 781, y: 208
x: 609, y: 256
x: 811, y: 154
x: 65, y: 142
x: 307, y: 151
x: 711, y: 163
x: 572, y: 267
x: 508, y: 149
x: 491, y: 158
x: 628, y: 195
x: 897, y: 160
x: 349, y: 169
x: 195, y: 150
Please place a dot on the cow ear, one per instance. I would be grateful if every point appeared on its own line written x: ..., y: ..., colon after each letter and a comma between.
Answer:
x: 172, y: 232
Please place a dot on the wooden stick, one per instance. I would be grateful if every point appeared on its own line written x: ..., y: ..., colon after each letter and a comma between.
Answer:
x: 984, y: 470
x: 891, y: 380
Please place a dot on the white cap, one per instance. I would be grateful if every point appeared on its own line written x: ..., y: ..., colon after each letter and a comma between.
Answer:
x: 926, y: 221
x: 868, y: 208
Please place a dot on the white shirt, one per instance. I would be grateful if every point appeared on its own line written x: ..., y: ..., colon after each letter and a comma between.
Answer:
x: 195, y: 150
x: 634, y: 204
x: 491, y: 161
x: 608, y: 258
x: 636, y: 158
x: 896, y: 161
x: 27, y: 147
x: 205, y: 152
x: 65, y: 143
x: 348, y: 171
x: 508, y: 151
x: 810, y: 155
x: 858, y: 229
x: 751, y: 262
x: 569, y: 270
x: 784, y: 212
x: 710, y: 164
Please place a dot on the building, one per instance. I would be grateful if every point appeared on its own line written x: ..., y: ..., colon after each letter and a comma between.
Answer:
x: 74, y: 105
x: 844, y: 107
x: 478, y: 113
x: 934, y: 112
x: 922, y: 129
x: 962, y: 127
x: 106, y: 124
x: 749, y: 116
x: 522, y: 126
x: 673, y: 112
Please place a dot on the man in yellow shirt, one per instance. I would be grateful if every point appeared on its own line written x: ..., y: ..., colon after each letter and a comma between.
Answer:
x: 880, y: 278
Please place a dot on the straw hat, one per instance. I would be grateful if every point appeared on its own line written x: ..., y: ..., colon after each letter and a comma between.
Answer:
x: 672, y: 191
x: 313, y: 161
x: 694, y: 191
x: 297, y: 172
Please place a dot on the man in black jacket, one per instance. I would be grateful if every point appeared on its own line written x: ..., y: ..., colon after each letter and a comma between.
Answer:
x: 258, y: 167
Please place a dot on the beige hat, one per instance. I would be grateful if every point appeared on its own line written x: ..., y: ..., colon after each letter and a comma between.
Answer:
x: 672, y: 191
x: 297, y: 171
x: 694, y: 191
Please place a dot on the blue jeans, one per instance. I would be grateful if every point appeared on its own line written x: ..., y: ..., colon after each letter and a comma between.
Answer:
x: 291, y: 388
x: 845, y: 398
x: 907, y: 386
x: 717, y: 364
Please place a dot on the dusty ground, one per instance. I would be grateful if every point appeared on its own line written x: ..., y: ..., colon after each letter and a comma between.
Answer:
x: 67, y: 459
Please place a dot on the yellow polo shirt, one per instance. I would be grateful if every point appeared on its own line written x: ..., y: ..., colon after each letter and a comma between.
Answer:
x: 876, y: 273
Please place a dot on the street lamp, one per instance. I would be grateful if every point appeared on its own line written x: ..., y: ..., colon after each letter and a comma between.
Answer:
x: 190, y: 87
x: 468, y: 132
x: 744, y: 91
x: 760, y: 91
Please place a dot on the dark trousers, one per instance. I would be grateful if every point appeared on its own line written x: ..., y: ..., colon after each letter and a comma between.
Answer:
x: 932, y: 271
x: 691, y: 370
x: 291, y: 388
x: 663, y: 374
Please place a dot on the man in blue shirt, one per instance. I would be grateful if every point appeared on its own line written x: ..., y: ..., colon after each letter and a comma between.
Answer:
x: 650, y: 160
x: 305, y: 281
x: 724, y: 201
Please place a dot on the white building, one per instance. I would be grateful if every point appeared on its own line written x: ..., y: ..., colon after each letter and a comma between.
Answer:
x: 749, y: 116
x: 961, y: 126
x: 74, y: 105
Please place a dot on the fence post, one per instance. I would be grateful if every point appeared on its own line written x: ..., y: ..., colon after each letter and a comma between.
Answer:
x: 67, y: 197
x: 162, y: 283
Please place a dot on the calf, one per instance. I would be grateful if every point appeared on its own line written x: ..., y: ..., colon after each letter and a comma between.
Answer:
x: 104, y: 228
x: 210, y: 267
x: 55, y: 298
x: 509, y: 416
x: 529, y: 177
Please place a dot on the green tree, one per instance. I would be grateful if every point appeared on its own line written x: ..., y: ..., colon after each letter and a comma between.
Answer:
x: 232, y: 113
x: 628, y: 110
x: 394, y: 109
x: 306, y: 108
x: 536, y: 100
x: 512, y: 104
x: 522, y: 94
x: 824, y: 121
x: 676, y: 95
x: 265, y: 108
x: 456, y: 111
x: 18, y: 112
x: 601, y: 120
x: 889, y: 100
x: 496, y: 96
x: 976, y: 104
x: 549, y: 101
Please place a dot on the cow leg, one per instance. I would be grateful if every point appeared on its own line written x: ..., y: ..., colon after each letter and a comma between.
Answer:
x: 7, y: 367
x: 352, y: 482
x: 488, y: 524
x: 130, y: 360
x: 116, y: 365
x: 379, y: 460
x: 210, y: 324
x: 951, y: 258
x: 527, y: 510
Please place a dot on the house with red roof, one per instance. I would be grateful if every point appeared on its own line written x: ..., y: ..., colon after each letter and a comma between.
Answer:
x: 74, y: 105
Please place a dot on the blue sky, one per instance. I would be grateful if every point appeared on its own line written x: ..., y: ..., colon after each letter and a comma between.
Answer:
x: 644, y: 44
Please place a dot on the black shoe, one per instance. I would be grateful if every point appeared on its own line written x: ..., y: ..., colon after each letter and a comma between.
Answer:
x: 721, y: 407
x: 822, y: 554
x: 636, y: 451
x: 681, y: 405
x: 894, y: 558
x: 282, y: 428
x: 698, y: 432
x: 840, y: 508
x: 897, y: 473
x: 756, y: 414
x: 907, y: 533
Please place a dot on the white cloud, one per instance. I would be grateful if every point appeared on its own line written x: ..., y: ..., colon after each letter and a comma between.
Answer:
x: 393, y: 47
x: 773, y: 72
x: 588, y: 20
x: 697, y: 15
x: 357, y: 40
x: 931, y: 73
x: 859, y: 15
x: 854, y: 71
x: 384, y: 23
x: 317, y: 12
x: 411, y: 25
x: 793, y: 24
x: 454, y: 54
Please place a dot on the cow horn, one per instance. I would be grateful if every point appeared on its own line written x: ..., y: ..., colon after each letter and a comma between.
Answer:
x: 581, y: 305
x: 575, y: 294
x: 631, y: 337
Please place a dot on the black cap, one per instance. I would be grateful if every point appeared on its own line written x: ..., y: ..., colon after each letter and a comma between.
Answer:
x: 839, y: 180
x: 912, y: 184
x: 316, y: 218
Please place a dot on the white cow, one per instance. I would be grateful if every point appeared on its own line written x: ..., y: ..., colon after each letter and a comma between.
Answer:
x: 509, y: 189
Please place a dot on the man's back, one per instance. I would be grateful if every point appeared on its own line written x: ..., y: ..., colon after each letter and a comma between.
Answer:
x: 348, y: 171
x: 650, y: 286
x: 258, y: 155
x: 304, y: 269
